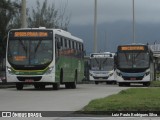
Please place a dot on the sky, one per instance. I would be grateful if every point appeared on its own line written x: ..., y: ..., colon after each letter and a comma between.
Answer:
x: 115, y: 15
x: 82, y: 11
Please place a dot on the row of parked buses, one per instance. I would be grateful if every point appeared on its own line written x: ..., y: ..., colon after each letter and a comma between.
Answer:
x: 41, y: 57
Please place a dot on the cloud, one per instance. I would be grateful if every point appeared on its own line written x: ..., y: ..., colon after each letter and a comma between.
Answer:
x: 82, y: 11
x: 115, y: 10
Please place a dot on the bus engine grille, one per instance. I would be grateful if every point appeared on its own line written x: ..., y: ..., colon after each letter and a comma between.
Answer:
x: 37, y: 78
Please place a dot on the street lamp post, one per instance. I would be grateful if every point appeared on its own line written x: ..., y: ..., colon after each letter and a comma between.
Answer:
x: 133, y: 23
x: 95, y: 26
x: 23, y: 14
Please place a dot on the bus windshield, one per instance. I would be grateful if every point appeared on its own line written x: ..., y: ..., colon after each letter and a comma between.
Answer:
x: 30, y: 52
x: 102, y: 64
x: 133, y: 59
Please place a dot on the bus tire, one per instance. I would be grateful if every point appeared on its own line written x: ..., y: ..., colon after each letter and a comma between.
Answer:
x: 19, y: 86
x: 42, y: 86
x: 56, y: 86
x: 121, y: 84
x: 61, y: 76
x: 73, y: 84
x: 146, y: 84
x: 36, y: 86
x: 96, y: 82
x: 127, y: 84
x: 67, y: 85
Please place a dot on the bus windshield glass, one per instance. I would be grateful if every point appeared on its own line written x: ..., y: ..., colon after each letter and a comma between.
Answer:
x: 30, y: 52
x: 102, y: 64
x: 133, y: 59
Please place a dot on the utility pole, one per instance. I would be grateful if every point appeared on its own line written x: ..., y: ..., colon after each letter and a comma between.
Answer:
x: 133, y: 23
x: 23, y: 14
x: 95, y: 26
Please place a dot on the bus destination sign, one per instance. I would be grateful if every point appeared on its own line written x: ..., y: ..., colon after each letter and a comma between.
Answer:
x: 128, y: 48
x: 100, y: 55
x: 30, y: 34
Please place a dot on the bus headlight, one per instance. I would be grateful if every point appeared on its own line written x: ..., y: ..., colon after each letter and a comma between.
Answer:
x: 147, y: 72
x: 49, y: 70
x: 90, y: 74
x: 118, y: 73
x: 110, y: 74
x: 9, y: 69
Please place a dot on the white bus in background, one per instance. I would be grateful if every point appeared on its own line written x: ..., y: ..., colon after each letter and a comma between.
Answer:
x: 102, y: 67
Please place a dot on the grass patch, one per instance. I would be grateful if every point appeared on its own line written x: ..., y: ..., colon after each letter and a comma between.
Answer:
x: 155, y: 84
x: 133, y: 99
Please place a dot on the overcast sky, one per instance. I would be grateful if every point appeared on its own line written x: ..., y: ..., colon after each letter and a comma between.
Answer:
x: 82, y: 11
x: 114, y: 21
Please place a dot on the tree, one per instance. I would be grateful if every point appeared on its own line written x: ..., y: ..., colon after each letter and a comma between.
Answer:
x: 48, y: 16
x: 43, y: 15
x: 8, y: 10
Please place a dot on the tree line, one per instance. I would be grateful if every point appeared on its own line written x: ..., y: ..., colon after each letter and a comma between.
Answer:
x: 43, y: 14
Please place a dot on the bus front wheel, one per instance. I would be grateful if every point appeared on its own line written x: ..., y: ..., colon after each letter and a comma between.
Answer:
x: 71, y: 85
x: 146, y: 84
x: 19, y: 86
x: 56, y: 86
x: 96, y: 82
x: 121, y: 84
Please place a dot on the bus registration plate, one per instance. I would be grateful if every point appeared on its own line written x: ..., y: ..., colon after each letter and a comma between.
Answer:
x: 132, y: 78
x: 29, y: 80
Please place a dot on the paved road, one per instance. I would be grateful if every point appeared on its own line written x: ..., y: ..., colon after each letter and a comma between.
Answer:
x: 30, y: 99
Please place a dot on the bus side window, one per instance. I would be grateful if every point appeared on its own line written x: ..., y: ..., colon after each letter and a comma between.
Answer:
x: 73, y: 44
x: 61, y: 42
x: 76, y: 45
x: 69, y: 43
x: 65, y: 43
x: 82, y: 47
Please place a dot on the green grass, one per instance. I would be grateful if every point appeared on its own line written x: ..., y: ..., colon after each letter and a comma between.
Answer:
x: 134, y: 99
x: 155, y: 84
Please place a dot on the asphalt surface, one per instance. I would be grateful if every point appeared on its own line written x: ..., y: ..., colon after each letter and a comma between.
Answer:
x: 64, y: 101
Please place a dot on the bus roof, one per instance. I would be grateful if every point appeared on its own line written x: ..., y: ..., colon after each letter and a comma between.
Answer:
x: 67, y: 34
x: 56, y: 31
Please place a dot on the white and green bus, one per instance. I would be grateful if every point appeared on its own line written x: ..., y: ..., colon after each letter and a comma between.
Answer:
x: 41, y: 57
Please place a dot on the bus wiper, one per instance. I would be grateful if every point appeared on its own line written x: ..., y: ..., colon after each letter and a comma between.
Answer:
x: 127, y: 60
x: 38, y: 45
x: 138, y: 54
x: 96, y: 60
x: 98, y: 63
x: 104, y: 61
x: 25, y: 49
